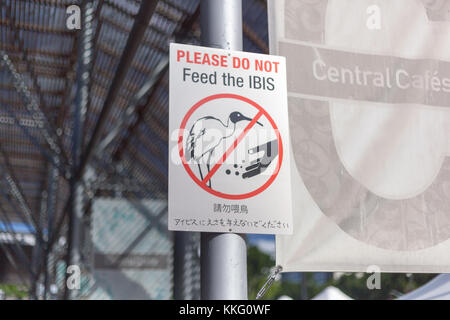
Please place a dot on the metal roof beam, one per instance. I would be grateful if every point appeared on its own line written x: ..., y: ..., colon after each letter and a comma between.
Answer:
x: 17, y: 192
x: 34, y: 110
x: 136, y: 35
x: 36, y: 51
x: 26, y: 130
x: 124, y: 123
x: 48, y: 131
x: 154, y: 80
x: 253, y: 36
x: 16, y: 246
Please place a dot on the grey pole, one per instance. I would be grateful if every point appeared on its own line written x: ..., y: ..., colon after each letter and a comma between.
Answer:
x: 223, y: 255
x: 85, y: 47
x: 186, y: 269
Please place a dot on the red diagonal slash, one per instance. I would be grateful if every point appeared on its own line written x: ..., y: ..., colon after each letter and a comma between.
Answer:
x: 231, y: 148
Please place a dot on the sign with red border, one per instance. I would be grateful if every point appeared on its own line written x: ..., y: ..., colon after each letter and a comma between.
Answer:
x: 229, y: 168
x: 202, y: 183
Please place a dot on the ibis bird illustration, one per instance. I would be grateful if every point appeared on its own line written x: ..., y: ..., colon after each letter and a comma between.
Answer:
x: 206, y: 134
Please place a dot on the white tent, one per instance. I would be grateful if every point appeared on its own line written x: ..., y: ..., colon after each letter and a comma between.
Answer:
x: 284, y: 297
x: 331, y: 293
x: 436, y: 289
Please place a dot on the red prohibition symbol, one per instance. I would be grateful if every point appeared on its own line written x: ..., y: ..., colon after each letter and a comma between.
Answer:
x: 203, y: 183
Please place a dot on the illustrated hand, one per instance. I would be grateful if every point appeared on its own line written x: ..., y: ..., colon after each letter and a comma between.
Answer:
x: 260, y: 164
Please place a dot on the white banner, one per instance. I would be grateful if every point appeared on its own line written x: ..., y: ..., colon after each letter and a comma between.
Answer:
x: 369, y: 91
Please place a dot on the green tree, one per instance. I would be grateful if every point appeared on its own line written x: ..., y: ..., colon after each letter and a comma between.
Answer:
x: 259, y: 266
x: 14, y: 291
x: 354, y: 285
x: 392, y: 285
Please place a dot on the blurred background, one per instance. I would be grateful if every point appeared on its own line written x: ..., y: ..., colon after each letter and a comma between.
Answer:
x: 83, y: 157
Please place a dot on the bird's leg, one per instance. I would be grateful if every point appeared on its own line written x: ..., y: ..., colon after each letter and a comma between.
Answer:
x: 208, y: 167
x: 200, y: 170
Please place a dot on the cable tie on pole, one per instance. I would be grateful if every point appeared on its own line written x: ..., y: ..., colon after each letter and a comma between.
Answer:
x: 272, y: 277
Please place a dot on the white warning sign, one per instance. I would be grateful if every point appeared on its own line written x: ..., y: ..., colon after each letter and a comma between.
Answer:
x: 228, y: 161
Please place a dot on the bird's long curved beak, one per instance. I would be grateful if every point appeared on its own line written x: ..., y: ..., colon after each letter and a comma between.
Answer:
x: 248, y: 119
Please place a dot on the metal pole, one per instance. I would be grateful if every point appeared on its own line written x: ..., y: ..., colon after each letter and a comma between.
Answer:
x: 181, y: 240
x: 223, y: 255
x: 304, y: 288
x: 52, y: 187
x: 186, y: 266
x: 85, y: 50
